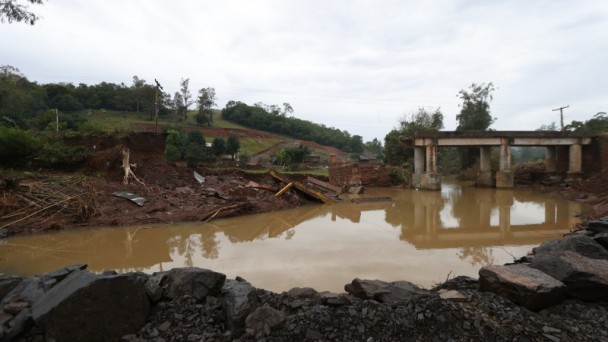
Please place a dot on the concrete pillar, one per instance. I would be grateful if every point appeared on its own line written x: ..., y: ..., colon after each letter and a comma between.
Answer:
x: 576, y: 158
x: 504, y: 200
x: 485, y: 175
x: 505, y: 155
x: 550, y: 158
x: 504, y: 177
x: 431, y: 159
x: 431, y: 179
x: 419, y: 161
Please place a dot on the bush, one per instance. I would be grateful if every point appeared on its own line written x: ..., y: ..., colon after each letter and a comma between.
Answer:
x: 58, y: 155
x: 17, y: 146
x: 195, y: 153
x: 172, y: 153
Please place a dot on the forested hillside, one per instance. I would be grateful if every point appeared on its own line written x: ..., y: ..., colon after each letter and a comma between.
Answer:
x: 276, y: 120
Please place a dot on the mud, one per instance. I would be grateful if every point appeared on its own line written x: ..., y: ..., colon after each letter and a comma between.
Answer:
x: 172, y: 194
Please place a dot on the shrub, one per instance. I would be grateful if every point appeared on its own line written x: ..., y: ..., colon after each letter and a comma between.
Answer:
x: 58, y: 155
x: 17, y: 146
x: 172, y: 153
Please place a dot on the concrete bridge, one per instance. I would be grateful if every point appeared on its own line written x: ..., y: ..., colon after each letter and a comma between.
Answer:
x: 558, y: 147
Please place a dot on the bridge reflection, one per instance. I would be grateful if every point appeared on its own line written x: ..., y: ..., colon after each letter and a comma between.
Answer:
x: 470, y: 219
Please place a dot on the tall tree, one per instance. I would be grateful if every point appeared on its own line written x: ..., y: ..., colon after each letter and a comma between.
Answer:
x: 186, y: 95
x: 12, y: 10
x: 475, y: 108
x: 206, y: 100
x: 422, y: 120
x: 233, y: 145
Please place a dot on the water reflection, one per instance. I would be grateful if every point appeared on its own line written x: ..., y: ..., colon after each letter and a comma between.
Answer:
x: 419, y: 235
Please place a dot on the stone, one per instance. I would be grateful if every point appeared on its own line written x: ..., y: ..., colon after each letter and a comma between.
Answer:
x: 303, y: 292
x: 602, y: 239
x: 581, y: 244
x: 153, y: 286
x: 238, y: 300
x: 193, y: 281
x: 364, y: 289
x: 20, y: 324
x: 585, y: 278
x: 107, y: 307
x: 28, y: 290
x: 454, y: 296
x: 314, y: 335
x: 399, y: 291
x: 385, y: 292
x: 62, y: 273
x: 522, y: 285
x: 598, y: 226
x: 7, y: 284
x: 263, y: 317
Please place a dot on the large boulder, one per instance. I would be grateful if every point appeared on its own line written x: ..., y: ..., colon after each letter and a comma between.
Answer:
x: 385, y: 292
x: 522, y: 285
x: 238, y: 300
x: 579, y: 243
x: 264, y: 320
x: 598, y: 226
x: 7, y: 284
x: 86, y: 307
x: 196, y: 282
x: 585, y: 278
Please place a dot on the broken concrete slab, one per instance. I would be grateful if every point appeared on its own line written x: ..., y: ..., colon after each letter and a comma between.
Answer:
x: 585, y: 278
x: 523, y: 285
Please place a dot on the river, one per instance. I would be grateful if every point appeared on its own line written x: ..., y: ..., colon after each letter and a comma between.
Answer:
x: 420, y: 236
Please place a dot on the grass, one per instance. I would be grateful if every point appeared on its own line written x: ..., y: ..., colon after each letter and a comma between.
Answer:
x: 252, y: 146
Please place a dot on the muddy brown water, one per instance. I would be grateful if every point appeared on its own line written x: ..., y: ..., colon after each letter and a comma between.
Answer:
x: 420, y: 236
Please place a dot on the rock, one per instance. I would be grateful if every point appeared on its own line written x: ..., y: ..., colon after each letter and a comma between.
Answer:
x: 153, y: 286
x: 585, y: 278
x: 598, y: 226
x: 581, y: 244
x: 88, y: 307
x: 314, y: 335
x: 602, y: 239
x: 303, y: 292
x: 522, y: 285
x: 196, y: 282
x: 28, y: 290
x: 7, y: 284
x: 364, y: 289
x: 454, y: 296
x: 20, y: 324
x: 264, y: 318
x: 397, y: 291
x: 62, y: 273
x: 238, y: 300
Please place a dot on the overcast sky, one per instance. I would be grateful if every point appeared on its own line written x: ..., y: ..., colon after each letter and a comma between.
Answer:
x: 354, y: 65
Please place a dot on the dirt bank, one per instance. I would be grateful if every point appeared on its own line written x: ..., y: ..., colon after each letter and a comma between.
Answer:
x: 35, y: 202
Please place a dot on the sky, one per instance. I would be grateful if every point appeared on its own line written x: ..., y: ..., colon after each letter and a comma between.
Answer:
x: 359, y: 66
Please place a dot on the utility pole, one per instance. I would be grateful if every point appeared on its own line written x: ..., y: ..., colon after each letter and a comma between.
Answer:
x: 561, y: 114
x: 156, y: 105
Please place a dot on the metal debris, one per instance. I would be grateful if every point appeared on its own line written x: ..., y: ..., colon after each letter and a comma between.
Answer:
x: 132, y: 197
x: 200, y: 179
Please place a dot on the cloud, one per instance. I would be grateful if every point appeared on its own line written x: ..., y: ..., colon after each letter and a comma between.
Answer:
x: 354, y: 65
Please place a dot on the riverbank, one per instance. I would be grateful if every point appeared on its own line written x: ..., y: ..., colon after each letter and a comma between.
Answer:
x: 195, y: 304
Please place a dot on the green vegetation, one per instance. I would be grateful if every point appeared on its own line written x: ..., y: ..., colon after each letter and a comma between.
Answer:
x: 274, y: 119
x: 292, y: 156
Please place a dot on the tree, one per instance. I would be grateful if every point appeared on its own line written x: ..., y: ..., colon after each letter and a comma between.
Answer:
x: 356, y: 144
x: 293, y: 155
x: 475, y: 108
x: 12, y: 10
x: 375, y: 147
x: 218, y: 146
x: 233, y: 145
x: 422, y: 120
x: 206, y: 100
x: 186, y: 96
